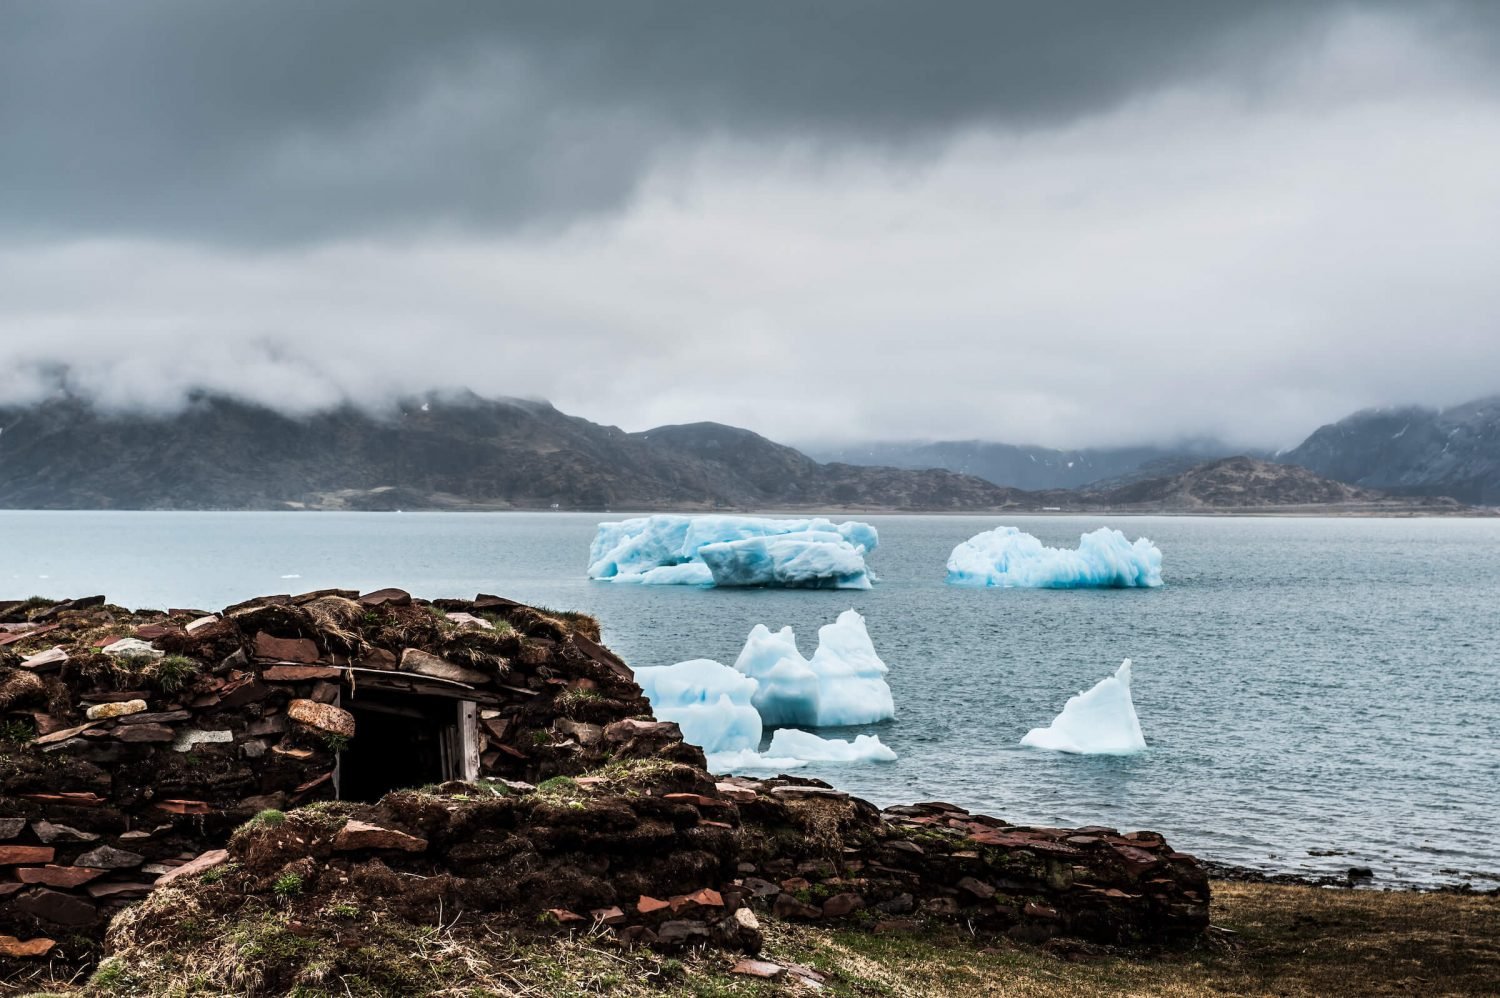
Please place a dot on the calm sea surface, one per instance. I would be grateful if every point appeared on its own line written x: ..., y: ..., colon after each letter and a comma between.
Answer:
x: 1304, y: 684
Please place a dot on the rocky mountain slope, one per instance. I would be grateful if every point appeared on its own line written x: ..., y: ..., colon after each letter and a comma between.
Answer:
x: 1412, y: 450
x: 1242, y: 483
x: 460, y: 451
x: 451, y: 451
x: 1026, y: 467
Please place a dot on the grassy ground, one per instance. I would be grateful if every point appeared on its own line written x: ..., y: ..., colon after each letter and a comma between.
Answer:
x: 1281, y: 941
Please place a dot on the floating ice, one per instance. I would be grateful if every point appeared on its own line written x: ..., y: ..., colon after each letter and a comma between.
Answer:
x: 723, y: 710
x: 1099, y: 722
x: 744, y: 760
x: 710, y: 703
x: 806, y: 745
x: 669, y: 549
x: 1007, y: 557
x: 843, y: 683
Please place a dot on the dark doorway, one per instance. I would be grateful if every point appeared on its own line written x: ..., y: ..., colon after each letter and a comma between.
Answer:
x: 400, y: 741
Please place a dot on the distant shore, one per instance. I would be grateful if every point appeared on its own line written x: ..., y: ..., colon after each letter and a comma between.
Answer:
x: 1340, y: 511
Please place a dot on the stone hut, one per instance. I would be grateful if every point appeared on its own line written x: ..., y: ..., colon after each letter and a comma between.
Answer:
x: 132, y: 742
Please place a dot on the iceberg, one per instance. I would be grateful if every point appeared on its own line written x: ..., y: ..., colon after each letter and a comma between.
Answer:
x: 669, y: 549
x: 710, y: 702
x: 842, y: 684
x: 791, y: 748
x: 745, y: 760
x: 1007, y: 557
x: 1099, y: 722
x: 807, y: 746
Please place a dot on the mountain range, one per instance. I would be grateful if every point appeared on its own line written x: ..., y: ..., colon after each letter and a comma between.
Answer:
x: 462, y: 451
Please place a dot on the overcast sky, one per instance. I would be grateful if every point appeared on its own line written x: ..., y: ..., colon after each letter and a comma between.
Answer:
x: 1068, y: 223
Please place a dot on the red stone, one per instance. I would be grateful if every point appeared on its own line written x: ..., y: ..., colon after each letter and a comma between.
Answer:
x: 697, y: 800
x: 842, y: 904
x: 386, y: 597
x: 18, y: 949
x: 363, y: 835
x: 565, y: 916
x: 271, y: 648
x: 608, y: 916
x: 207, y: 861
x: 25, y: 855
x: 763, y: 969
x: 297, y: 673
x: 705, y: 898
x: 185, y: 806
x: 1139, y: 859
x: 58, y: 876
x: 74, y: 798
x: 736, y: 793
x: 649, y: 905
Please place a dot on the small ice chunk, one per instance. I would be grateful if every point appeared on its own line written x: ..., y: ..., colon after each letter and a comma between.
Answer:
x: 808, y: 746
x: 1007, y: 557
x: 842, y: 684
x: 749, y: 759
x: 710, y: 703
x: 1101, y: 721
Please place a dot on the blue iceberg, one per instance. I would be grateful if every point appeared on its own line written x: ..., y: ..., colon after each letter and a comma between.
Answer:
x: 669, y: 549
x: 725, y: 710
x: 842, y: 684
x: 1007, y: 557
x: 1101, y: 721
x: 710, y: 703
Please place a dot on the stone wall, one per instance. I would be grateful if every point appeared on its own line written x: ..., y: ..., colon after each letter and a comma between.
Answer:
x: 183, y: 756
x: 136, y: 741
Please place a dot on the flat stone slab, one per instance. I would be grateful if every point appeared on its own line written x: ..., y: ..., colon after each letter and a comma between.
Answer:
x: 49, y: 833
x: 59, y: 876
x: 363, y: 835
x: 303, y: 651
x: 425, y: 664
x: 795, y: 792
x: 205, y: 862
x: 763, y: 969
x: 110, y: 858
x: 144, y: 733
x: 26, y: 855
x: 186, y: 740
x: 132, y: 648
x: 49, y: 659
x: 469, y: 620
x: 298, y: 673
x: 57, y: 907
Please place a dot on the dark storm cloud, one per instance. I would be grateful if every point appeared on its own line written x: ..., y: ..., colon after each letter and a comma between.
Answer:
x: 295, y: 120
x: 1112, y: 221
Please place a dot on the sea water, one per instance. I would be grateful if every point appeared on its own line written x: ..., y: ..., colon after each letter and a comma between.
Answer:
x: 1316, y: 693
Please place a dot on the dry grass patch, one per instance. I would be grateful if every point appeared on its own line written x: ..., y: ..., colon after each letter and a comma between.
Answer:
x: 1297, y: 941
